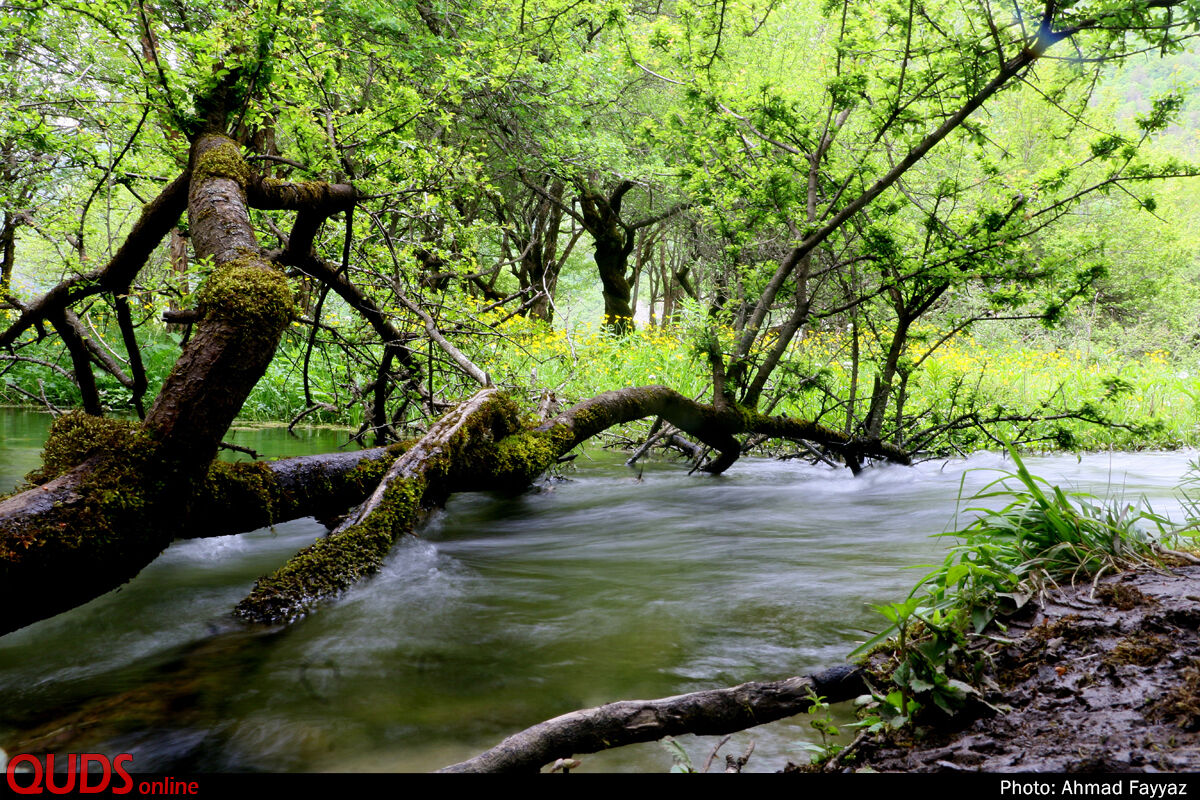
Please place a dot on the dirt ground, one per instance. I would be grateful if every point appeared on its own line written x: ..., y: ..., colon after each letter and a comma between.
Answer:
x: 1103, y: 683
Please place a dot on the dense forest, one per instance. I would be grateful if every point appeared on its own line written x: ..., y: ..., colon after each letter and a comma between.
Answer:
x: 481, y: 234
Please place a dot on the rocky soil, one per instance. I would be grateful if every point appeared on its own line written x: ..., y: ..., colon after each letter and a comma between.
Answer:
x: 1096, y: 682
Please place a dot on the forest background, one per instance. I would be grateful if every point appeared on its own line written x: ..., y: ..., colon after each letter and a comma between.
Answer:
x: 582, y: 197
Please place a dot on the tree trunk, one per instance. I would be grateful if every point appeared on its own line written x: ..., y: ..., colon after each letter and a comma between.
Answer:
x: 613, y: 244
x: 542, y: 262
x: 114, y: 493
x: 8, y: 251
x: 245, y: 305
x: 618, y: 312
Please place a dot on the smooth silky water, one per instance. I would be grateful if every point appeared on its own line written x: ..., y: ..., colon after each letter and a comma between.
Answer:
x: 611, y: 584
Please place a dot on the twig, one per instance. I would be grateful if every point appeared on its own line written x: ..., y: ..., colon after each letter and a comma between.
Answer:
x: 817, y: 454
x: 708, y: 761
x: 49, y: 406
x: 1179, y: 554
x: 832, y: 764
x: 240, y: 449
x: 699, y: 459
x: 53, y: 408
x: 735, y: 764
x: 314, y: 407
x: 30, y: 360
x: 651, y: 437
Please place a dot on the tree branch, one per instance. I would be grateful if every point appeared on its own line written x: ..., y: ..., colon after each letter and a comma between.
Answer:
x: 706, y: 713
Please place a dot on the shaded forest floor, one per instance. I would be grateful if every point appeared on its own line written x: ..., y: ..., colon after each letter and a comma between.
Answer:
x: 1108, y: 682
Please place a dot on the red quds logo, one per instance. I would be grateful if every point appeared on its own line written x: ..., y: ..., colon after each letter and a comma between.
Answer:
x: 112, y: 776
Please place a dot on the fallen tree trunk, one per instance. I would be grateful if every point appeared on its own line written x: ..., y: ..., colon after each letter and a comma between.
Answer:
x: 250, y: 495
x: 114, y: 495
x: 83, y: 521
x: 705, y: 713
x: 479, y: 446
x: 357, y: 547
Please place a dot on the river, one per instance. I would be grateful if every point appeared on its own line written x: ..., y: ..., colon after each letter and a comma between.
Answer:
x: 608, y: 584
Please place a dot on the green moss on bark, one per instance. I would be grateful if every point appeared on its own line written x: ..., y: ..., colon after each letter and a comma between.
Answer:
x: 247, y: 291
x: 103, y: 531
x: 249, y: 489
x: 517, y: 460
x: 333, y: 564
x: 223, y: 160
x: 74, y: 438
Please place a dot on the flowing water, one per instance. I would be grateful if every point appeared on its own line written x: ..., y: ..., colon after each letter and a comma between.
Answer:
x: 611, y: 584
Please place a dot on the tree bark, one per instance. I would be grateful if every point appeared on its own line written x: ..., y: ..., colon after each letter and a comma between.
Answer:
x: 612, y: 260
x: 706, y: 713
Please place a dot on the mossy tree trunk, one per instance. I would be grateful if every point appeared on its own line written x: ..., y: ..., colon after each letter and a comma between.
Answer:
x: 357, y: 546
x: 112, y: 494
x: 613, y: 241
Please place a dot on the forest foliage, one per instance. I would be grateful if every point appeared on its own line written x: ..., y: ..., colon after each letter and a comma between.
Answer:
x: 877, y: 216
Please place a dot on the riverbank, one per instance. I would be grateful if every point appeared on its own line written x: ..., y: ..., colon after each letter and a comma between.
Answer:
x: 1103, y: 681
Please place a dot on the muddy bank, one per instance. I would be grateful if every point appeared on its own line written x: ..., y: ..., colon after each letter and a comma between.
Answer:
x: 1108, y: 682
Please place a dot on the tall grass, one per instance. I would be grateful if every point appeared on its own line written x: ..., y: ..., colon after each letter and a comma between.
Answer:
x: 1040, y: 538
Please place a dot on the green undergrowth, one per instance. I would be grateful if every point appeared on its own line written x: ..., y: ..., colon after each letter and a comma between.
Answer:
x: 1092, y: 399
x: 932, y: 655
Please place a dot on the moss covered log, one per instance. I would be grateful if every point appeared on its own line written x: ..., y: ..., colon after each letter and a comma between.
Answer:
x: 88, y: 527
x: 422, y: 477
x: 482, y: 446
x: 100, y: 510
x: 250, y: 495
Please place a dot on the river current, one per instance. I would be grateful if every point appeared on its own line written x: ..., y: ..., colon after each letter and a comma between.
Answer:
x: 607, y: 584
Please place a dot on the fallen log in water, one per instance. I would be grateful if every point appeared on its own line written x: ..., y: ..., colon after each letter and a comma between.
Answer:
x: 357, y: 547
x: 711, y: 712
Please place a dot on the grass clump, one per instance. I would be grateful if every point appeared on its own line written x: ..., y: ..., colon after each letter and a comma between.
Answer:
x: 1041, y: 536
